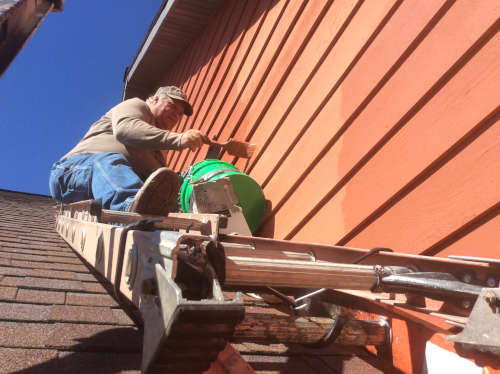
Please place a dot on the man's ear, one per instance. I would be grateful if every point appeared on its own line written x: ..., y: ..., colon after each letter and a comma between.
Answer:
x: 155, y: 99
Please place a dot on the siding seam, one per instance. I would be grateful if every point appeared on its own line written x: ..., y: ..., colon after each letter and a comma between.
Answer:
x: 436, y: 87
x: 299, y: 93
x: 425, y: 174
x: 287, y: 71
x: 212, y: 53
x: 463, y: 231
x: 233, y: 81
x: 268, y: 68
x: 387, y: 76
x: 215, y: 73
x: 243, y: 87
x: 197, y: 63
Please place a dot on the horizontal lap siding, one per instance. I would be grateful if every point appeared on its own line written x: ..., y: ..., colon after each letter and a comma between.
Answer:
x: 376, y: 122
x: 235, y: 58
x: 241, y: 14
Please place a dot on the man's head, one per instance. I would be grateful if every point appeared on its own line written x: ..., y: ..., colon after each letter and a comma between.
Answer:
x: 167, y: 105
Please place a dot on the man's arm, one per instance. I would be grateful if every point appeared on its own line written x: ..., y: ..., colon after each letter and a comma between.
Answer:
x: 131, y: 126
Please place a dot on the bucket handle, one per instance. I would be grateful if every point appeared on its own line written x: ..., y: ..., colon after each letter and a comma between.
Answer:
x: 212, y: 174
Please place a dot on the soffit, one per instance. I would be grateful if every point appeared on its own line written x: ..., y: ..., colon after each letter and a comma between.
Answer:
x: 175, y: 25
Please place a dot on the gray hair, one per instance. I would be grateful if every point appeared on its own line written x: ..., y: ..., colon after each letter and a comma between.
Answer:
x: 160, y: 92
x: 174, y: 93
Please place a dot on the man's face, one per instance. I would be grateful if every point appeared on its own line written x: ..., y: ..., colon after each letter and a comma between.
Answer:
x: 167, y: 111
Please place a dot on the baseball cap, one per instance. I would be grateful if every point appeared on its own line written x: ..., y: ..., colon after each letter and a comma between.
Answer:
x: 176, y: 93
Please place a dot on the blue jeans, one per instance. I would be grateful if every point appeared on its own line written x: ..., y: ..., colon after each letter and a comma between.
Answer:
x: 100, y: 176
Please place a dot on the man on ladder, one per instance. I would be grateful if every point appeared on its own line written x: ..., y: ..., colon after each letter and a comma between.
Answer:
x: 119, y: 160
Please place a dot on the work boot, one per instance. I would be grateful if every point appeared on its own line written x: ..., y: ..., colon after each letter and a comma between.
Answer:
x: 158, y: 195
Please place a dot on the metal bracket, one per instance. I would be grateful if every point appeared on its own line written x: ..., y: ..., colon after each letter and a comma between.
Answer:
x: 482, y: 331
x: 218, y: 196
x: 141, y: 225
x: 440, y: 286
x: 177, y: 327
x: 332, y: 334
x: 301, y: 302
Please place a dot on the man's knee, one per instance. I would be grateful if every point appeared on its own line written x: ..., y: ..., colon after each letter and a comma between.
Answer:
x: 114, y: 182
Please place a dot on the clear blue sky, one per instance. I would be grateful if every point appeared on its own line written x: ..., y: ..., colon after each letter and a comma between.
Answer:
x: 68, y: 74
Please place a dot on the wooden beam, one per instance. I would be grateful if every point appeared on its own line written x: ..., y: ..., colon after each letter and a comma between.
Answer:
x: 278, y: 272
x: 270, y: 328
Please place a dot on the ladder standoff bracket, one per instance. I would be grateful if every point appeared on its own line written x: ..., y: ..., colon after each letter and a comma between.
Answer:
x: 140, y: 225
x: 482, y: 330
x: 173, y: 321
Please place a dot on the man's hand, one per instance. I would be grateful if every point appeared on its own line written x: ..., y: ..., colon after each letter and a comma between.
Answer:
x: 194, y: 139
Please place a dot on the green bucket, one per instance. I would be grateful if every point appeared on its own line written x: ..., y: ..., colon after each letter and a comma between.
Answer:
x: 250, y: 196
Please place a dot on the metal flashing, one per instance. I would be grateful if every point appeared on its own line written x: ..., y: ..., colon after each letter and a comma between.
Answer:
x: 155, y: 26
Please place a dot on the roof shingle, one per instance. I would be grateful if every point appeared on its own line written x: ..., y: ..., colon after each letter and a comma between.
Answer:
x: 55, y: 315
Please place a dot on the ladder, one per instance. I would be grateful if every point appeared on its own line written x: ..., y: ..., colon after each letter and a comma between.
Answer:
x: 173, y: 275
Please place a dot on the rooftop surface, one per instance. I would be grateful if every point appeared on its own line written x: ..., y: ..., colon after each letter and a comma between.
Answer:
x: 55, y: 315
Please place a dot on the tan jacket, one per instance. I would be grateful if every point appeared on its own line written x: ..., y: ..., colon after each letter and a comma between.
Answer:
x: 129, y: 128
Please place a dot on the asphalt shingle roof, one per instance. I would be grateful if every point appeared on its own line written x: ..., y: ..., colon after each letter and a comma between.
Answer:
x: 56, y: 316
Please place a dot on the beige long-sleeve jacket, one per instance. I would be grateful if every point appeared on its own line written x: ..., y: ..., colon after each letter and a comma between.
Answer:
x: 129, y: 128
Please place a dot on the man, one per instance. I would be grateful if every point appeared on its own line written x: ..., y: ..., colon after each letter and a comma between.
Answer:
x: 119, y: 162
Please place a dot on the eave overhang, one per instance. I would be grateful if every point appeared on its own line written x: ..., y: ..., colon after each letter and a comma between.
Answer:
x: 174, y: 27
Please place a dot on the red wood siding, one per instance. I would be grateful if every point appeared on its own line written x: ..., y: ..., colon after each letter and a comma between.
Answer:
x: 376, y: 122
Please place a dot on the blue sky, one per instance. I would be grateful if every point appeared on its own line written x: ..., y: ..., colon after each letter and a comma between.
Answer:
x: 67, y: 76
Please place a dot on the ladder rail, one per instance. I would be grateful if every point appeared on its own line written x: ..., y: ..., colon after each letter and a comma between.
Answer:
x: 156, y: 262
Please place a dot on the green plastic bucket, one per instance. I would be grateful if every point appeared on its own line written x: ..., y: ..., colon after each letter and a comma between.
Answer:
x: 250, y: 196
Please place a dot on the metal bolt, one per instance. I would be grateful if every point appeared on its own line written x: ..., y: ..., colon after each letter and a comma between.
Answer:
x: 382, y: 321
x: 99, y: 252
x: 466, y: 304
x: 467, y: 278
x: 131, y: 269
x: 491, y: 282
x: 312, y: 255
x: 82, y: 240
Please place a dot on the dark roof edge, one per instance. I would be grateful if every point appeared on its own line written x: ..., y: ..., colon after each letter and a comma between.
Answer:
x: 25, y: 193
x: 153, y: 28
x: 18, y: 24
